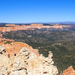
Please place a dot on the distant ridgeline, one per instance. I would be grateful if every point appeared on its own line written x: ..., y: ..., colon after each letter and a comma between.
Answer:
x: 12, y: 27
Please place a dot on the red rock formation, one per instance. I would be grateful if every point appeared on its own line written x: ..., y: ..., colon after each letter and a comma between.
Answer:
x: 69, y: 71
x: 15, y: 47
x: 12, y: 27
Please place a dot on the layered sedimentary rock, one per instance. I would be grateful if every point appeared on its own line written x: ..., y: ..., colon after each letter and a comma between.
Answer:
x: 26, y: 62
x: 12, y: 27
x: 69, y: 71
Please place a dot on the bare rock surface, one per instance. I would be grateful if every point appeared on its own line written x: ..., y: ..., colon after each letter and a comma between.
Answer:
x: 2, y: 48
x: 69, y: 71
x: 4, y: 71
x: 27, y: 63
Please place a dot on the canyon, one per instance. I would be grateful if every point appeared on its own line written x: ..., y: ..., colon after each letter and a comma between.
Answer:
x: 13, y: 52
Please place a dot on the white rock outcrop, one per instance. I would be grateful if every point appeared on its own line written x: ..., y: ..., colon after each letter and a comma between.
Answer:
x: 27, y: 63
x: 2, y: 48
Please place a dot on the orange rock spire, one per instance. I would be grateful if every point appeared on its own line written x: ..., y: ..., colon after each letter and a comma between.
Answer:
x: 69, y: 71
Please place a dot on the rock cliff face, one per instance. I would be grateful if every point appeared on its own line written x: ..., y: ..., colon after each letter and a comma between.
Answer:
x: 18, y: 58
x: 15, y: 47
x: 12, y: 27
x: 26, y: 62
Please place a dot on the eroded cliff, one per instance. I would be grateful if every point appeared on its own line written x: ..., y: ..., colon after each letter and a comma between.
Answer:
x: 26, y: 62
x: 12, y: 27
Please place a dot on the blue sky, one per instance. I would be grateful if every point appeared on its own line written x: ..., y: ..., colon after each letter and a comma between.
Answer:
x: 29, y: 11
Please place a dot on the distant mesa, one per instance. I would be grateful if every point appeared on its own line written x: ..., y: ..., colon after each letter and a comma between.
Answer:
x: 13, y: 27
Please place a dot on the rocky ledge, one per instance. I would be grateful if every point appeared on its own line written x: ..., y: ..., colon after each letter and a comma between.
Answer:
x: 26, y: 62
